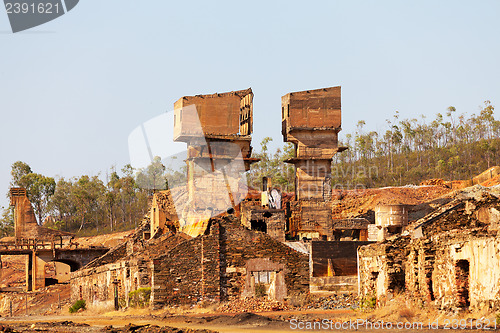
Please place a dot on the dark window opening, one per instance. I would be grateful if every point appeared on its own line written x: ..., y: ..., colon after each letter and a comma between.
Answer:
x: 429, y: 285
x: 50, y: 282
x: 373, y: 280
x: 347, y: 234
x: 394, y: 230
x: 258, y: 225
x: 397, y: 281
x: 462, y: 283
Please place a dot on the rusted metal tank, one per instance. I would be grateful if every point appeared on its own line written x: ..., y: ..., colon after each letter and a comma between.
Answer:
x: 391, y: 215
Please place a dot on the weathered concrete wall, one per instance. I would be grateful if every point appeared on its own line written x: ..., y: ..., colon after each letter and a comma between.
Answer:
x: 218, y: 113
x: 348, y: 283
x: 96, y: 285
x: 318, y: 108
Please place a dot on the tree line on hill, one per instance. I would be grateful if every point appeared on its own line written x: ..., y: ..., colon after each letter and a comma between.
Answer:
x: 451, y: 147
x: 410, y: 150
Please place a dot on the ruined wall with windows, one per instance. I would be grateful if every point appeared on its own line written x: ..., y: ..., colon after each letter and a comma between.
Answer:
x: 97, y: 285
x: 449, y: 259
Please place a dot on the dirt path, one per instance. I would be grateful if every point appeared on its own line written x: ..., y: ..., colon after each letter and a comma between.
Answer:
x: 241, y: 323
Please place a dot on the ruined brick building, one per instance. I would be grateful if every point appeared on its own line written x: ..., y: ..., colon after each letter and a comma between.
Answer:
x: 224, y: 263
x: 449, y: 258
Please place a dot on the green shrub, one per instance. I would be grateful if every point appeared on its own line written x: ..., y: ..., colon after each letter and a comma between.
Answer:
x: 368, y: 303
x: 260, y: 290
x: 139, y: 298
x: 80, y: 304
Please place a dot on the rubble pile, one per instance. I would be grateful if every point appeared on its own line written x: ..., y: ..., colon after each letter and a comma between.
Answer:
x: 152, y: 329
x: 252, y: 305
x: 334, y: 302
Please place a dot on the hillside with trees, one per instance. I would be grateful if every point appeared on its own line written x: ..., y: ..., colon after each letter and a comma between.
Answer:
x: 449, y: 147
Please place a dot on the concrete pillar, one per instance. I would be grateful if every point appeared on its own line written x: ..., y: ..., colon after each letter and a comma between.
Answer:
x: 38, y: 272
x: 28, y: 272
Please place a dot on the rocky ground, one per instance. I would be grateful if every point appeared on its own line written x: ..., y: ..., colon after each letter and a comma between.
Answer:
x: 69, y: 326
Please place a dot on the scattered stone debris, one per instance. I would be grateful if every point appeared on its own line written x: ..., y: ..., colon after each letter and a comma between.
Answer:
x: 71, y: 327
x: 252, y: 305
x: 334, y: 302
x: 131, y: 328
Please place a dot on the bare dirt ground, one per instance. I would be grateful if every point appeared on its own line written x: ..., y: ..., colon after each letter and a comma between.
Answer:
x: 287, y: 321
x: 46, y: 317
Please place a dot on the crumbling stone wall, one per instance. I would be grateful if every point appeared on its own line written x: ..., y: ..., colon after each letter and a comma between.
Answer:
x: 451, y: 261
x: 188, y: 272
x: 96, y: 285
x: 219, y: 266
x: 419, y: 270
x: 381, y: 269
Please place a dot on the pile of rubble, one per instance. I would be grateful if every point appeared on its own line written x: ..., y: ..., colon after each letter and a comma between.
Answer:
x: 131, y: 328
x: 252, y: 305
x: 334, y: 302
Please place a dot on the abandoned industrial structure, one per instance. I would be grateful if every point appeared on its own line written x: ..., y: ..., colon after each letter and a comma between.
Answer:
x: 203, y: 252
x: 41, y: 246
x: 448, y: 259
x: 214, y: 238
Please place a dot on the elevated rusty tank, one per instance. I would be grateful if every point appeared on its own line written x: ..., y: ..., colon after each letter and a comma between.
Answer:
x: 391, y: 215
x: 390, y: 220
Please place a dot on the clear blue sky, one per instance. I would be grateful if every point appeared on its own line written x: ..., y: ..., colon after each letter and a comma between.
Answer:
x: 73, y: 89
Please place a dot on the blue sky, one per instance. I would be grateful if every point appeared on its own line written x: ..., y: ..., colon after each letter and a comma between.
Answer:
x: 73, y: 89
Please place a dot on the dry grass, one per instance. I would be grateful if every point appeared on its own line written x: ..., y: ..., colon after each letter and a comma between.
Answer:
x: 401, y: 309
